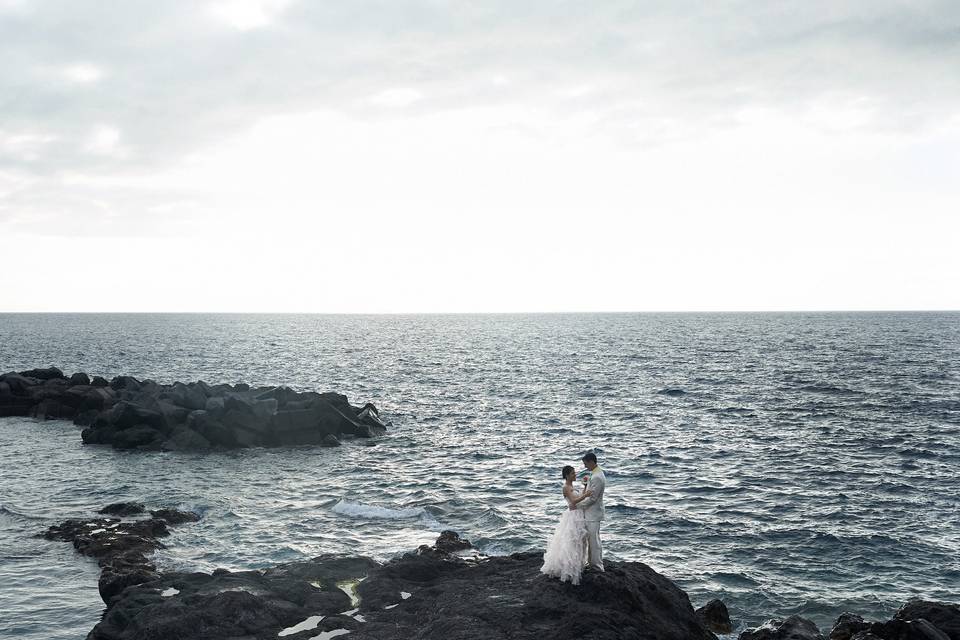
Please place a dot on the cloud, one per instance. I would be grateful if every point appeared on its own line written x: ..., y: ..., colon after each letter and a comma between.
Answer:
x: 396, y: 98
x: 83, y: 73
x: 144, y: 119
x: 245, y: 15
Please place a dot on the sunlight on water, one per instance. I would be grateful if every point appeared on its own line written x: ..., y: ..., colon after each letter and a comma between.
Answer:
x: 784, y: 463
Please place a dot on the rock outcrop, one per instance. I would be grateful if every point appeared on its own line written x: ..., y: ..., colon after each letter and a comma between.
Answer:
x: 714, y: 616
x: 128, y: 413
x: 792, y: 628
x: 916, y: 620
x: 441, y: 591
x: 121, y: 546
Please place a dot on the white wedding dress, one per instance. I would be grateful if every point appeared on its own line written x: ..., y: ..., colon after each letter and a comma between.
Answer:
x: 567, y: 549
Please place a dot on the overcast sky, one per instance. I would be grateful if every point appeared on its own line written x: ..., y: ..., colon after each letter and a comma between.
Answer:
x: 400, y: 156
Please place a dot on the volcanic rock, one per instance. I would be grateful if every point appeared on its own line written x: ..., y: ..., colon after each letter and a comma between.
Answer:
x: 429, y: 594
x: 121, y: 547
x: 944, y: 616
x: 142, y: 415
x: 793, y: 628
x: 715, y: 617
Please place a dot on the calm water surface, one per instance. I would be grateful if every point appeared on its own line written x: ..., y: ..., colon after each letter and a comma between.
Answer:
x: 786, y: 463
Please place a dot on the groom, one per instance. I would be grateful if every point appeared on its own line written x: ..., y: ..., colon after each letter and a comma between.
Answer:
x: 592, y: 508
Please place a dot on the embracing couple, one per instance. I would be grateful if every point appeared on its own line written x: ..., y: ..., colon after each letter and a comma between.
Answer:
x: 576, y: 540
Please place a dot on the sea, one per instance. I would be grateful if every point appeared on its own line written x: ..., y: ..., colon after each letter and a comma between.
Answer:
x: 786, y: 463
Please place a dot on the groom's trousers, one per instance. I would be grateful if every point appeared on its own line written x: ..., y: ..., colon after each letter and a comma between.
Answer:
x: 594, y: 548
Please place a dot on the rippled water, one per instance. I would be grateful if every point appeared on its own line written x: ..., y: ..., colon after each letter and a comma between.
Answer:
x: 787, y: 463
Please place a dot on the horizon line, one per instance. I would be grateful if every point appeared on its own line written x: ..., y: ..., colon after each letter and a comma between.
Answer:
x: 476, y: 313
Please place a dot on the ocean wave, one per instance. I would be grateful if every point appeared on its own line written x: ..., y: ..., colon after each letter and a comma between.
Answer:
x: 7, y: 510
x: 363, y: 511
x: 830, y: 389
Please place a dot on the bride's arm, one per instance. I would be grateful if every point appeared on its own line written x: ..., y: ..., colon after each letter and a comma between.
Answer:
x: 573, y: 501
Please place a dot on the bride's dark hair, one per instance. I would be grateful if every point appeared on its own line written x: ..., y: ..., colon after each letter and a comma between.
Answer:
x: 566, y: 470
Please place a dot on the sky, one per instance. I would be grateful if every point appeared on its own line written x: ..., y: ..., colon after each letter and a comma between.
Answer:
x: 482, y: 156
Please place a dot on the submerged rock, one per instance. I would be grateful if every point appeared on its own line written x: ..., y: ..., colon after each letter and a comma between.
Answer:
x: 128, y: 413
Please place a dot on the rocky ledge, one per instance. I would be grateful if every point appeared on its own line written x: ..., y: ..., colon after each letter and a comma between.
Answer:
x: 121, y: 542
x: 440, y: 591
x: 916, y: 620
x: 132, y: 414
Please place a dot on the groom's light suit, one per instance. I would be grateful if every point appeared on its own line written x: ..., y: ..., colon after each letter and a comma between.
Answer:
x: 593, y: 513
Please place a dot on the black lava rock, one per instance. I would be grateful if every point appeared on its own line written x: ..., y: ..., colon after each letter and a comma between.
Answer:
x: 793, y: 628
x: 128, y: 413
x: 715, y: 617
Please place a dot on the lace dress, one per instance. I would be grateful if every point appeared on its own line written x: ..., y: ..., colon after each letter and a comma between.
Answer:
x: 567, y: 549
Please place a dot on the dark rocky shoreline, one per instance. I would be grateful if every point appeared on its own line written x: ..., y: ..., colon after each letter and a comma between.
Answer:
x: 442, y: 591
x: 128, y: 413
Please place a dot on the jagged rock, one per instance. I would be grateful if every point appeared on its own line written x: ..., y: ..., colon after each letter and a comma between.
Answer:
x: 215, y: 405
x: 50, y: 373
x: 916, y: 620
x: 53, y: 410
x: 123, y: 509
x: 125, y: 383
x: 175, y: 517
x: 125, y: 415
x: 87, y: 397
x: 793, y: 628
x: 185, y: 439
x: 216, y: 433
x: 420, y: 595
x: 942, y: 615
x: 715, y: 617
x: 131, y: 414
x: 918, y: 629
x: 120, y: 548
x: 19, y: 385
x: 847, y: 626
x: 188, y: 397
x: 85, y: 418
x: 141, y: 436
x: 451, y: 542
x: 330, y: 440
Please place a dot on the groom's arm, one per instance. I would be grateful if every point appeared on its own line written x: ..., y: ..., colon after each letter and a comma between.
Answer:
x: 593, y: 485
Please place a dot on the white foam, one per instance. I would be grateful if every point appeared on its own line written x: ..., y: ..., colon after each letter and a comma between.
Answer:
x: 391, y: 606
x: 405, y: 595
x: 360, y: 510
x: 333, y: 633
x: 170, y: 592
x: 97, y: 531
x: 306, y: 625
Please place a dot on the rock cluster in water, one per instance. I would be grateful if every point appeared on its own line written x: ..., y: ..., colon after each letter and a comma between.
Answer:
x: 132, y: 414
x: 121, y: 546
x: 442, y: 591
x: 916, y: 620
x: 439, y: 591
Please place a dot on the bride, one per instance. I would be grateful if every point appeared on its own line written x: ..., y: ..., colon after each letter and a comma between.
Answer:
x: 566, y: 550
